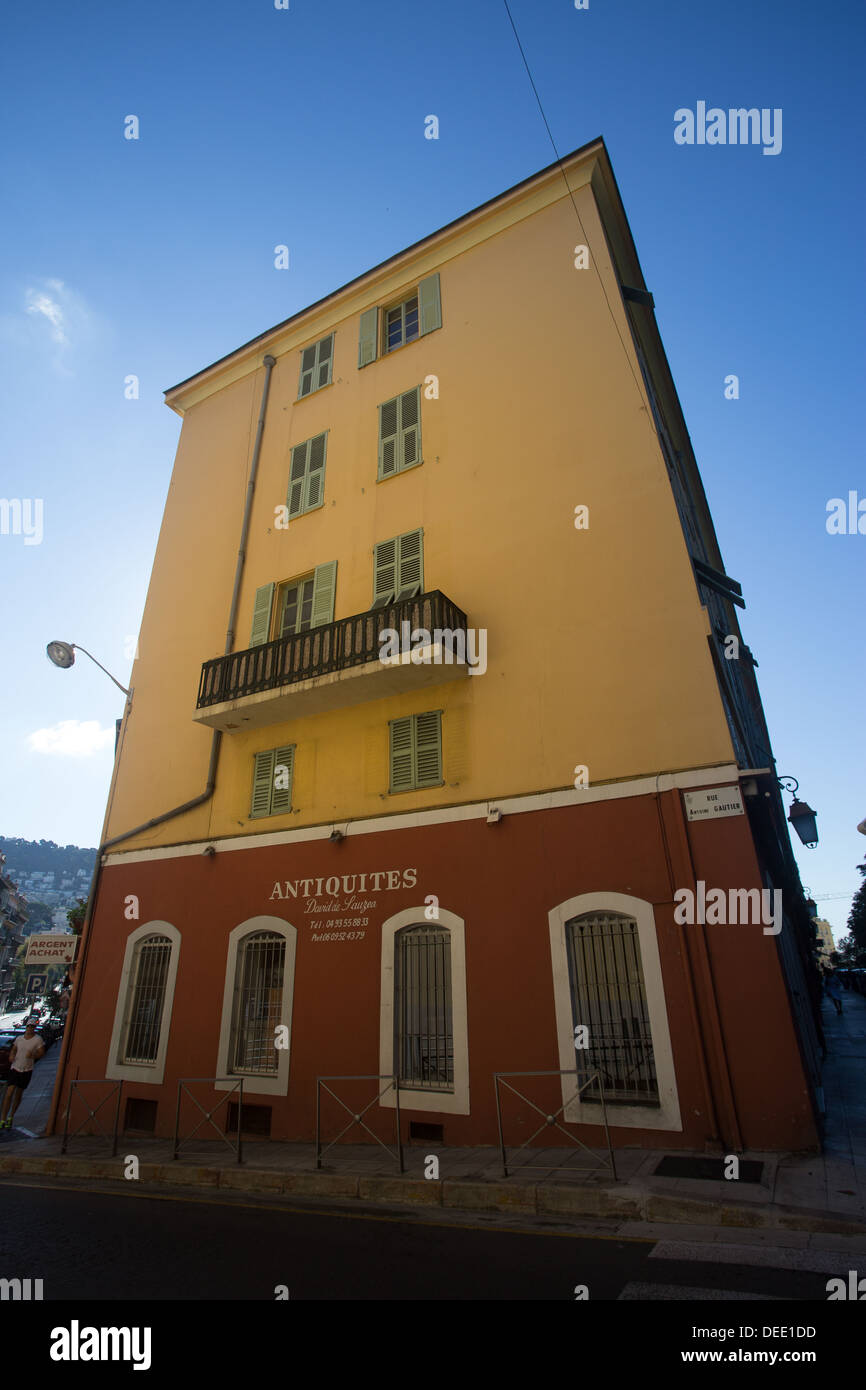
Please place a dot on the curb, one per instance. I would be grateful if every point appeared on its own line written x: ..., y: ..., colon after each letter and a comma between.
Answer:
x: 615, y: 1205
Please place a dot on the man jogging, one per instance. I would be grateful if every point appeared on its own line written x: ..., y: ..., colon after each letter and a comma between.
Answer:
x: 25, y: 1051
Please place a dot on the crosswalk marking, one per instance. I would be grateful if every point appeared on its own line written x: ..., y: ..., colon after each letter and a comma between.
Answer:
x: 767, y: 1256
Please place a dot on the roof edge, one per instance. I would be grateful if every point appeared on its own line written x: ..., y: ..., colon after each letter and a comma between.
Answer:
x: 595, y: 146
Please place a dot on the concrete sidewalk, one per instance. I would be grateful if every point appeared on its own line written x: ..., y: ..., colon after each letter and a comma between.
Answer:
x: 814, y: 1193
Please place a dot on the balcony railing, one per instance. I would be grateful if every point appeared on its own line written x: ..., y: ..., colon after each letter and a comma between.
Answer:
x: 335, y: 647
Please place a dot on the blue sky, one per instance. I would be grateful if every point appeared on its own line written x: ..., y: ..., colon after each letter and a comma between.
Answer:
x: 304, y: 127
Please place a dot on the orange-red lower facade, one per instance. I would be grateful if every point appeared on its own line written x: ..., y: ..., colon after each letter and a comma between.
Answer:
x: 697, y: 1043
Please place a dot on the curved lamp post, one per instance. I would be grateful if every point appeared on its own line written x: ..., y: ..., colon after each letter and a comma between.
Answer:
x: 63, y: 655
x: 801, y: 815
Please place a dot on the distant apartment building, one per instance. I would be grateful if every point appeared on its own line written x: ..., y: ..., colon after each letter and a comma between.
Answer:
x: 826, y: 944
x: 13, y: 919
x: 416, y: 786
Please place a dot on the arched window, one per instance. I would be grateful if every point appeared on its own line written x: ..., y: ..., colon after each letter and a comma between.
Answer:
x: 142, y: 1013
x: 423, y: 1015
x: 423, y: 1008
x: 145, y: 999
x: 608, y: 998
x: 608, y: 977
x: 257, y: 1006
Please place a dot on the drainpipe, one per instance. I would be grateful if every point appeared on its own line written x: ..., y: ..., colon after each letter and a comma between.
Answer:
x: 68, y: 1032
x: 688, y: 971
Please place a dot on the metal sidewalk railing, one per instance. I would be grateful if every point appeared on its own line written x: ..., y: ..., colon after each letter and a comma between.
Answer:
x: 115, y: 1087
x: 357, y: 1116
x: 183, y: 1086
x: 548, y: 1120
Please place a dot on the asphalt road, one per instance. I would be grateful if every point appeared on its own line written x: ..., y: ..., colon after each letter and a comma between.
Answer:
x: 91, y: 1242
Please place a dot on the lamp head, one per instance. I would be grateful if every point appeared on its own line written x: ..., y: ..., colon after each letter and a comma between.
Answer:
x: 61, y: 653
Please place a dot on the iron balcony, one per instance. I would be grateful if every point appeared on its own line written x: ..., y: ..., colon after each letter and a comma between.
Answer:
x: 333, y: 666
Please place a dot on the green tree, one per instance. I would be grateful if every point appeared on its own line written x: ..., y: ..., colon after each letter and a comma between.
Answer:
x: 857, y: 915
x: 75, y: 915
x: 39, y: 918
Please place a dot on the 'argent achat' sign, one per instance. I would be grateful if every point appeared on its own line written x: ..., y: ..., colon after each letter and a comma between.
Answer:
x: 56, y: 949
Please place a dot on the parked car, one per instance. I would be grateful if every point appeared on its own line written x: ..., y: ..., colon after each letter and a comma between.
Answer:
x: 6, y: 1041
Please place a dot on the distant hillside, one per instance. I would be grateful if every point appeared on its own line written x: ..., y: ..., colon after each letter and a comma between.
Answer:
x: 57, y: 875
x: 23, y: 856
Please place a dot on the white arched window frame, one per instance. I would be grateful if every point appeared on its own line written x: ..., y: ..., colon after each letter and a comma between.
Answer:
x: 151, y: 1073
x: 277, y: 1083
x: 666, y: 1115
x: 456, y: 1101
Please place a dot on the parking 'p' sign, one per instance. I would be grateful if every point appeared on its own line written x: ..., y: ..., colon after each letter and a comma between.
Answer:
x: 36, y: 984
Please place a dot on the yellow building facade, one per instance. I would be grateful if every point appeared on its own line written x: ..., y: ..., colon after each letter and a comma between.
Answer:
x: 476, y: 446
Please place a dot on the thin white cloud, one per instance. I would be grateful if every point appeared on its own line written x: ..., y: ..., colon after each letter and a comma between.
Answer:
x: 71, y: 738
x: 53, y: 318
x: 40, y: 303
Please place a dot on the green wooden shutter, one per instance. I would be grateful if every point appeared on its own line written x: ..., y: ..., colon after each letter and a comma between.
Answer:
x: 410, y: 428
x: 401, y: 754
x: 281, y: 800
x: 324, y: 359
x: 316, y: 366
x: 428, y: 749
x: 389, y: 425
x: 324, y: 590
x: 308, y: 366
x: 384, y: 572
x: 263, y: 782
x: 367, y: 342
x: 429, y: 304
x: 297, y: 474
x: 315, y: 485
x: 262, y: 615
x: 410, y: 568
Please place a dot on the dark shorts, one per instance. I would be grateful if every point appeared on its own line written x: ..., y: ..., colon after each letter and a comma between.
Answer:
x: 21, y: 1079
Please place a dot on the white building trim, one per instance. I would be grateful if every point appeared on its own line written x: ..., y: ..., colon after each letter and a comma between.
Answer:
x: 667, y: 1114
x: 454, y: 1102
x: 150, y: 1073
x: 728, y: 774
x: 277, y: 1085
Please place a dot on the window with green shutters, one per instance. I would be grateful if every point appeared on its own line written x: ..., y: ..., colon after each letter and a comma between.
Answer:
x: 307, y: 475
x: 398, y: 568
x: 316, y: 366
x: 295, y: 607
x: 418, y: 313
x: 273, y: 771
x: 401, y: 323
x: 416, y: 751
x: 301, y: 604
x: 400, y: 433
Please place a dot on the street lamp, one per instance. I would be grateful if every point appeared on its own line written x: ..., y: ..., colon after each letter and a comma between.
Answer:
x: 801, y: 815
x: 63, y: 655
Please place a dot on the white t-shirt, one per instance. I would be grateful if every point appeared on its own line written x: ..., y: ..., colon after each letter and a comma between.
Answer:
x: 24, y: 1050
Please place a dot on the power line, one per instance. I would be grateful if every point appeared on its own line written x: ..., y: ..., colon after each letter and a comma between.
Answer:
x: 574, y: 205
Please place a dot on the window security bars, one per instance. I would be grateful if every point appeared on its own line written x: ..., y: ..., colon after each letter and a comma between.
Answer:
x: 609, y: 998
x: 423, y: 1026
x: 257, y: 1004
x: 152, y: 959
